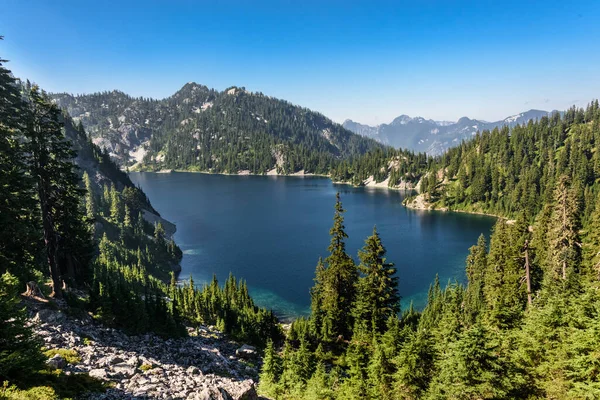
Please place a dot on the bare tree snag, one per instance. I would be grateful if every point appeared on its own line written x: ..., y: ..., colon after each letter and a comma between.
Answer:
x: 528, y: 273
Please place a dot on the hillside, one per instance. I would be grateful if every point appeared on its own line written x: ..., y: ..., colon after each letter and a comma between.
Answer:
x: 434, y: 137
x: 81, y: 241
x: 525, y: 326
x: 202, y: 129
x: 507, y: 171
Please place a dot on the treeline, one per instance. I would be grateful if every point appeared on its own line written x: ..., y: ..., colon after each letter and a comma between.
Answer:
x: 230, y: 308
x: 505, y: 171
x: 524, y: 326
x: 400, y: 166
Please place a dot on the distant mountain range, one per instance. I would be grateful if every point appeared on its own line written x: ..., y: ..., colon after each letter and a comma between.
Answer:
x: 434, y: 137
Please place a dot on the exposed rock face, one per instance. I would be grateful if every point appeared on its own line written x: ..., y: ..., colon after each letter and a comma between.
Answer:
x: 202, y: 366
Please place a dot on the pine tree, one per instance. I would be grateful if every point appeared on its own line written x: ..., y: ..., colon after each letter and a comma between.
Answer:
x: 591, y: 244
x: 377, y: 295
x: 270, y: 371
x: 416, y: 363
x: 318, y: 386
x: 505, y: 294
x: 90, y: 203
x: 476, y: 269
x: 20, y: 354
x: 67, y: 241
x: 116, y: 213
x: 563, y: 232
x: 380, y: 372
x: 127, y: 217
x: 338, y: 282
x: 18, y: 218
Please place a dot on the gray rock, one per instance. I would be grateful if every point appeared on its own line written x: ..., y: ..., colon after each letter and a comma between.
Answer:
x: 193, y: 371
x: 134, y: 361
x: 98, y: 373
x: 49, y: 316
x: 115, y: 360
x: 124, y: 369
x: 246, y: 351
x: 56, y: 362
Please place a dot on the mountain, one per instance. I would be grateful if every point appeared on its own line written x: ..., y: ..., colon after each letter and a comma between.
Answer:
x: 198, y: 128
x: 434, y: 137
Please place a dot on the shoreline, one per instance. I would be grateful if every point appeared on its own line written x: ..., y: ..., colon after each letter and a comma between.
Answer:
x: 370, y: 185
x: 418, y: 203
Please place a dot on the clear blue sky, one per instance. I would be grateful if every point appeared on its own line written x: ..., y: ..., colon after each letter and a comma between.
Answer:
x: 369, y: 61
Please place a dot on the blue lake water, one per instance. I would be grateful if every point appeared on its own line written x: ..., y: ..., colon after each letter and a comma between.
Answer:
x: 271, y: 231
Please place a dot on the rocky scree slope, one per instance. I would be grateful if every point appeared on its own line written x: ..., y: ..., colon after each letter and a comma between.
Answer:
x: 203, y: 366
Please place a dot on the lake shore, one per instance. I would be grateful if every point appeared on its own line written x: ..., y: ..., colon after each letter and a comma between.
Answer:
x: 367, y: 183
x: 416, y: 203
x: 420, y: 203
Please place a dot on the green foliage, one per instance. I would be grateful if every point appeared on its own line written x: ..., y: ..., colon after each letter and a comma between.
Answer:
x: 70, y: 356
x: 53, y: 385
x: 525, y: 325
x: 224, y: 132
x: 229, y: 307
x: 20, y: 353
x: 377, y: 296
x: 335, y: 285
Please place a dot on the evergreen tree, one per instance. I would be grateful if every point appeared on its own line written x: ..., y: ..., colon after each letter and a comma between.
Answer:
x: 337, y: 282
x: 20, y: 354
x: 18, y: 218
x: 476, y: 269
x: 90, y: 203
x: 377, y: 295
x: 380, y: 372
x: 66, y: 239
x: 563, y: 232
x: 270, y: 372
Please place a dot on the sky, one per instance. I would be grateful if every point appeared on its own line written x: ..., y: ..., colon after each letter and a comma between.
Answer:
x: 368, y: 61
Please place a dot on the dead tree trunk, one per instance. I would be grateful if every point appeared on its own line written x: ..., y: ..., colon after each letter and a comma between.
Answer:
x: 528, y: 273
x: 33, y: 290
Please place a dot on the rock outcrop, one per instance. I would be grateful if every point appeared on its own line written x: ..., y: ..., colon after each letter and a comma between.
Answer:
x: 201, y: 366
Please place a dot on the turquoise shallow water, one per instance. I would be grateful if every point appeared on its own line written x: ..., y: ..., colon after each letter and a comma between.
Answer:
x: 271, y: 231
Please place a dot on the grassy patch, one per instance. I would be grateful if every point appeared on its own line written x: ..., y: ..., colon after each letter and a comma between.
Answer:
x: 70, y: 356
x: 146, y: 367
x: 52, y: 385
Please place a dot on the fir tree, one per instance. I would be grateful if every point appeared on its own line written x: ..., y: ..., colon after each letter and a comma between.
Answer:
x: 377, y: 295
x: 563, y: 232
x: 20, y: 354
x: 337, y: 282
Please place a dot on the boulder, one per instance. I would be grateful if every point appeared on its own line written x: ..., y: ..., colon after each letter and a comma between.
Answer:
x: 98, y: 373
x: 193, y: 371
x: 48, y: 316
x: 246, y: 351
x: 124, y: 370
x: 245, y: 390
x: 56, y: 362
x: 134, y: 361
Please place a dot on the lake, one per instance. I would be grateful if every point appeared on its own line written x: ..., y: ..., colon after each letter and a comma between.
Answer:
x: 271, y: 230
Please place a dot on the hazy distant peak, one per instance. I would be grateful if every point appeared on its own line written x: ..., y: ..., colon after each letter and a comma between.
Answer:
x: 434, y: 137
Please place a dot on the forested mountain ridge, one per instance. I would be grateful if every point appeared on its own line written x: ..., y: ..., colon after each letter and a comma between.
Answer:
x: 434, y: 137
x: 202, y: 129
x: 506, y: 171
